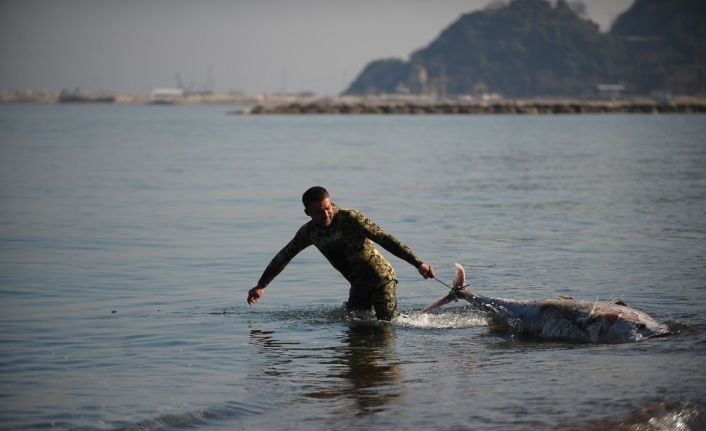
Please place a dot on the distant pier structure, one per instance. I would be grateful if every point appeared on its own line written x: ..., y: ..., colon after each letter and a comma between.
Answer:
x: 610, y: 91
x: 168, y: 92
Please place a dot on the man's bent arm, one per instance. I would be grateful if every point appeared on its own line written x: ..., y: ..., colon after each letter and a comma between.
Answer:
x: 394, y: 246
x: 387, y: 241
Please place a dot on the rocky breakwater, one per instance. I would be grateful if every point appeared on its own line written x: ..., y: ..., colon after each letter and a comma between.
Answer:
x: 690, y: 105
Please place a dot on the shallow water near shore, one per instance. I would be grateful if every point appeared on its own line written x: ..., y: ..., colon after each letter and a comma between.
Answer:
x: 129, y: 236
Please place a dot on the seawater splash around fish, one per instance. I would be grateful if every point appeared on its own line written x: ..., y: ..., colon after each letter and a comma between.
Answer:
x: 563, y: 318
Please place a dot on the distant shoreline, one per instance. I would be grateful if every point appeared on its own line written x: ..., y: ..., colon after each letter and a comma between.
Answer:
x: 376, y: 104
x: 58, y: 97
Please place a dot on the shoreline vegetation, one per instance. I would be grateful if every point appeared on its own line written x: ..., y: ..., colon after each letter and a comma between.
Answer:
x: 377, y: 104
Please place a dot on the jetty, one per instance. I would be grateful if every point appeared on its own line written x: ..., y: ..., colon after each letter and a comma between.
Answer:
x: 549, y: 106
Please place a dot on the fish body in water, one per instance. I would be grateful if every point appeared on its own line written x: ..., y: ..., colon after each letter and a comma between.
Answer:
x: 563, y: 318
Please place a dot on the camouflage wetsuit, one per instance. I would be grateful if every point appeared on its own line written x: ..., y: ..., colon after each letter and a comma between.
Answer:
x: 348, y: 244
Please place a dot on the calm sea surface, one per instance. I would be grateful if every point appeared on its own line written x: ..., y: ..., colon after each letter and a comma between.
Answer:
x: 129, y: 237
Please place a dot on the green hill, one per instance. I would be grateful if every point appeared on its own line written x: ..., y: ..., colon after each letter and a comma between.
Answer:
x: 664, y: 44
x: 531, y: 48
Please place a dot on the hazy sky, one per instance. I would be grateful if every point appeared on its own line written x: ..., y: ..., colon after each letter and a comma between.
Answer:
x: 238, y: 45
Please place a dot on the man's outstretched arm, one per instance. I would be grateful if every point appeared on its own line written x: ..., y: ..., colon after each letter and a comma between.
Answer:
x: 278, y: 263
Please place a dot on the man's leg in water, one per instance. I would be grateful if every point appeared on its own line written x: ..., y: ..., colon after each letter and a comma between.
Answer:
x: 359, y: 300
x: 385, y: 301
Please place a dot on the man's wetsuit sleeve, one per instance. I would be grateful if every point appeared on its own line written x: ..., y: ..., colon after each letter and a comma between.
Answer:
x: 282, y: 259
x: 387, y: 241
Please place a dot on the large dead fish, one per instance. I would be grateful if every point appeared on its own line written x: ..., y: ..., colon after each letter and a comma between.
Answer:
x: 563, y: 319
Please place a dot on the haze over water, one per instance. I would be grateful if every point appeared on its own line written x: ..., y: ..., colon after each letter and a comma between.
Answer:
x: 246, y: 46
x: 129, y: 236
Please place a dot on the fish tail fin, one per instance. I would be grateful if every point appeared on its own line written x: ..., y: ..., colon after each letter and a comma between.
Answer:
x: 459, y: 276
x: 443, y: 301
x: 458, y: 291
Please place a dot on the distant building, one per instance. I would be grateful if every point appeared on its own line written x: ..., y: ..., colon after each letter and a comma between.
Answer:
x: 662, y: 96
x: 610, y: 91
x: 401, y: 89
x: 168, y: 92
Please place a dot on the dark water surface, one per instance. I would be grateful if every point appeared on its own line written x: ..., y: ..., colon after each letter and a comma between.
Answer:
x: 129, y: 237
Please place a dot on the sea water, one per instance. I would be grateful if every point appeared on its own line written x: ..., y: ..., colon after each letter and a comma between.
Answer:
x: 130, y: 235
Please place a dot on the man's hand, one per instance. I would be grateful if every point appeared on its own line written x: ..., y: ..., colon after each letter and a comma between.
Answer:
x: 427, y: 271
x: 255, y: 293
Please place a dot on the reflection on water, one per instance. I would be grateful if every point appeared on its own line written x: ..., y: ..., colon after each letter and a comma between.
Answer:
x: 364, y: 368
x: 371, y: 365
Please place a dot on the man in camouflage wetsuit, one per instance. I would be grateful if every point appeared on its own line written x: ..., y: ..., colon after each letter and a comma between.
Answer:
x: 345, y: 238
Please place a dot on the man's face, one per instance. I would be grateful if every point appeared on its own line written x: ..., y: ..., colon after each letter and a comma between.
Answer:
x: 320, y: 212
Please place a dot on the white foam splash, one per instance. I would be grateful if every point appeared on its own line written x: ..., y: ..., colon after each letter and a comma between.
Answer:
x: 444, y: 320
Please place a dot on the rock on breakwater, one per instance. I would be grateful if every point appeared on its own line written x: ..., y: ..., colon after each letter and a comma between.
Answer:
x: 501, y: 107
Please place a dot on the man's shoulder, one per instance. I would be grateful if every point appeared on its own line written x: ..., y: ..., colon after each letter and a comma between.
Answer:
x: 350, y: 213
x: 306, y: 228
x: 347, y: 212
